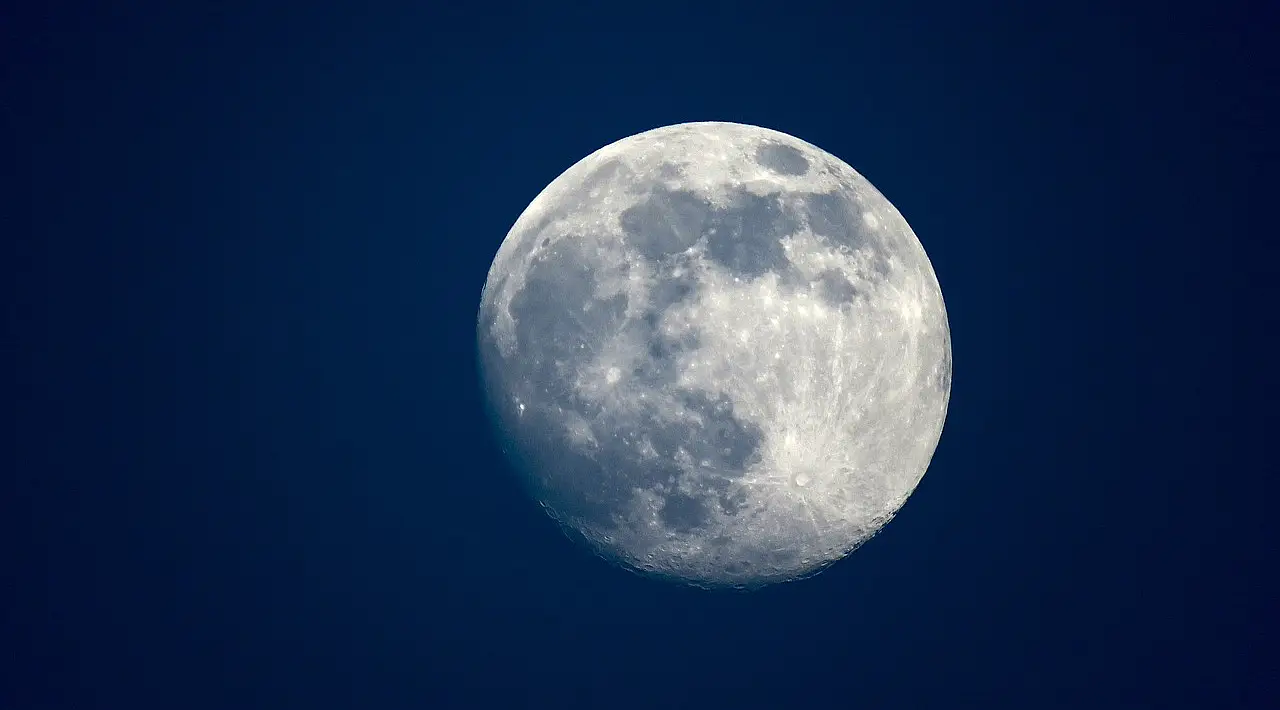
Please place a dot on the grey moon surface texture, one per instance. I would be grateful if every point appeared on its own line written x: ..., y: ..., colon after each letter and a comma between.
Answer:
x: 715, y: 353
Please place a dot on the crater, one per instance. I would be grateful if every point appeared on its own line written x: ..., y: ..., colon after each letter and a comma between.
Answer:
x: 782, y: 159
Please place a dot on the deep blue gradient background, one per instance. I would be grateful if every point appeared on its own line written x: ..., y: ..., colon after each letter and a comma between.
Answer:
x: 244, y: 252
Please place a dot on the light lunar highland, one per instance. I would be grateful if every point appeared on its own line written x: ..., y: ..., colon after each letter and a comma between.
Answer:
x: 716, y: 353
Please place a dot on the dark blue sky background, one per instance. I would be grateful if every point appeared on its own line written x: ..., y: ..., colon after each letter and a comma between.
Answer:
x: 244, y: 250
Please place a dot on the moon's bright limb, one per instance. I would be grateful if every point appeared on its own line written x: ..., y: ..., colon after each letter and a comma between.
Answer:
x: 717, y: 353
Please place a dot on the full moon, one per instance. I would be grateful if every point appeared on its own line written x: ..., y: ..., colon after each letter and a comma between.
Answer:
x: 716, y: 353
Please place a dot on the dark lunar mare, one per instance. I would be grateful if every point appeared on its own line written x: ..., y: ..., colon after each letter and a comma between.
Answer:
x: 657, y: 368
x: 782, y: 159
x: 665, y: 222
x: 748, y: 235
x: 835, y: 289
x: 744, y: 237
x: 837, y: 219
x: 560, y: 326
x: 941, y: 379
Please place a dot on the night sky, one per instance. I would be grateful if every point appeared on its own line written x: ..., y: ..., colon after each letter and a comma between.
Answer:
x: 243, y: 252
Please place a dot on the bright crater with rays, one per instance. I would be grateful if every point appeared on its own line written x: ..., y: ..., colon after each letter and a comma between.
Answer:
x: 716, y: 353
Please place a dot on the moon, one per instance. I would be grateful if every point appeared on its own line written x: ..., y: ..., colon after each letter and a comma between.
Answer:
x: 716, y: 354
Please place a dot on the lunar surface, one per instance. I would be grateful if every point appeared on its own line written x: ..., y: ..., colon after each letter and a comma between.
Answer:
x: 716, y: 353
